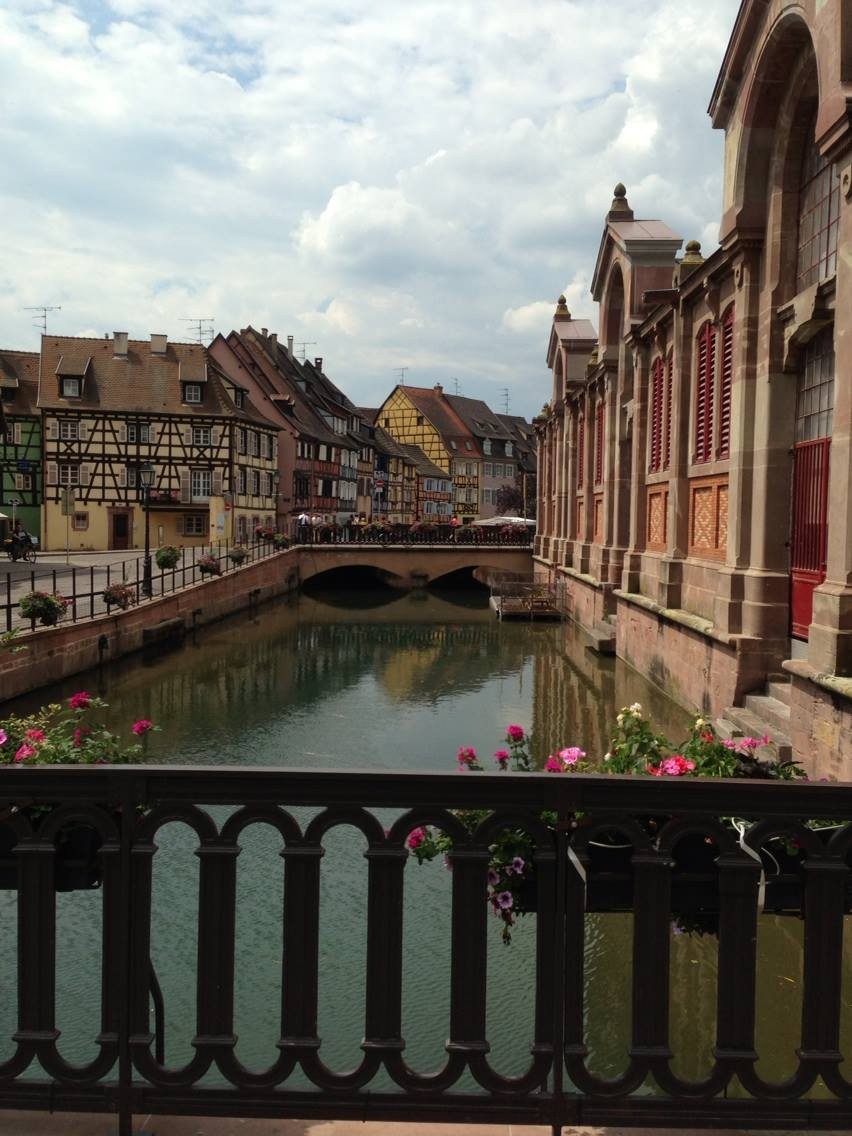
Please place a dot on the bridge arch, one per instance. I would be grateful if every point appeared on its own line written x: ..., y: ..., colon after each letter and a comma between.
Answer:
x: 413, y: 565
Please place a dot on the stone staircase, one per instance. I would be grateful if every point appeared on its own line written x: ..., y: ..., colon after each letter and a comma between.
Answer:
x: 767, y: 713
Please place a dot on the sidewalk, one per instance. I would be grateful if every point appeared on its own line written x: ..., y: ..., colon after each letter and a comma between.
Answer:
x: 38, y: 1124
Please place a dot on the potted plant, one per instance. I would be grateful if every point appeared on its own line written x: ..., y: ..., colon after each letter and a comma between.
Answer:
x: 119, y: 595
x: 208, y: 565
x: 237, y: 554
x: 167, y: 556
x: 47, y: 607
x: 635, y: 748
x: 280, y: 541
x: 62, y: 734
x: 263, y: 532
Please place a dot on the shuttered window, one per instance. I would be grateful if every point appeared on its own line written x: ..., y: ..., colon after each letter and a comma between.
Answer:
x: 705, y: 368
x: 655, y: 458
x: 725, y: 383
x: 581, y: 451
x: 599, y: 443
x: 667, y: 429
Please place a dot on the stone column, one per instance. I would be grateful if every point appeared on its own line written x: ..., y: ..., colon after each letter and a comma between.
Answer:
x: 638, y: 420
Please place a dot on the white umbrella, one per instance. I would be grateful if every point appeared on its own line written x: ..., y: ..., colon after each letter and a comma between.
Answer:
x: 505, y: 521
x: 3, y: 517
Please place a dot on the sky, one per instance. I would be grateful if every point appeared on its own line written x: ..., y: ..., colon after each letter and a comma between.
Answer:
x: 395, y: 185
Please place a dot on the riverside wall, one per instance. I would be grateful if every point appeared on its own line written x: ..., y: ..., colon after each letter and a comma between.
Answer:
x: 56, y: 653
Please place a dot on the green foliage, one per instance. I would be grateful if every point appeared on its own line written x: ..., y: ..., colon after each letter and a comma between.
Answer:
x: 70, y: 734
x: 167, y: 556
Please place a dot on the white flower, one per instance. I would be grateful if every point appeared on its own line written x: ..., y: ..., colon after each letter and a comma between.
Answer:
x: 636, y: 708
x: 607, y: 756
x: 700, y: 723
x: 620, y: 719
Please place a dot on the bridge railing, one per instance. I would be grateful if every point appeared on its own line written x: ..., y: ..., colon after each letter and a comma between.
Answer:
x: 443, y: 535
x: 567, y: 820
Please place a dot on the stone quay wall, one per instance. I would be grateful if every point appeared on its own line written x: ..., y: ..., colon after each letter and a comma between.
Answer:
x: 56, y: 653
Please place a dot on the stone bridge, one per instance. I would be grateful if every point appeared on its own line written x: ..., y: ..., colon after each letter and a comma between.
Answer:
x: 414, y: 565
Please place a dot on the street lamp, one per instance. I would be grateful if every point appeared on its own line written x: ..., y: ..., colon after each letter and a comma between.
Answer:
x: 146, y: 480
x: 276, y: 478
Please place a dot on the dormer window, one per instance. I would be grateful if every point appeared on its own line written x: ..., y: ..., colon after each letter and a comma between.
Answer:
x: 192, y: 392
x: 508, y: 449
x: 69, y: 388
x: 468, y: 446
x: 486, y: 446
x: 239, y: 399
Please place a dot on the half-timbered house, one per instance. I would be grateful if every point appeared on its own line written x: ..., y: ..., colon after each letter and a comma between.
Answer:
x: 434, y: 493
x: 20, y: 442
x: 423, y: 417
x: 110, y: 406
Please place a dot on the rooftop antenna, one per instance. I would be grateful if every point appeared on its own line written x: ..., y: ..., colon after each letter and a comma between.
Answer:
x: 41, y: 319
x: 303, y: 346
x: 505, y: 394
x: 456, y: 386
x: 202, y: 326
x: 401, y: 372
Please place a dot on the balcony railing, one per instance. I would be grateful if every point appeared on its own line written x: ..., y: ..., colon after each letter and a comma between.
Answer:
x: 130, y: 807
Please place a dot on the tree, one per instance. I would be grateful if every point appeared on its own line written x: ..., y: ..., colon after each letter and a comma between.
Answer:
x: 509, y: 498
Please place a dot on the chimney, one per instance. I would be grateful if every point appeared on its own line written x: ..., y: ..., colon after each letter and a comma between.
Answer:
x: 318, y: 362
x: 119, y: 347
x: 273, y: 340
x: 438, y: 388
x: 159, y: 343
x: 289, y: 346
x: 264, y: 331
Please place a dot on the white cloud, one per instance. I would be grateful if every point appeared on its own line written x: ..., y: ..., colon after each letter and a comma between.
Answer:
x: 399, y: 182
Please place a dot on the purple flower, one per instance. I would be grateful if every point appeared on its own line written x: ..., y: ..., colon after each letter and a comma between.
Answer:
x: 493, y: 877
x: 505, y: 900
x: 518, y: 865
x: 4, y: 737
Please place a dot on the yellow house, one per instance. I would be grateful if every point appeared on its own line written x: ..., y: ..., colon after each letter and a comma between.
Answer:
x: 114, y: 407
x: 423, y: 417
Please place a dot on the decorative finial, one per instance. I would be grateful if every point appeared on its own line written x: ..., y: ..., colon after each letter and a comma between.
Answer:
x: 620, y: 209
x: 562, y: 308
x: 693, y: 253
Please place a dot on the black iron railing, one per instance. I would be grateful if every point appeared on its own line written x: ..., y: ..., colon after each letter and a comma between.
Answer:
x: 128, y: 807
x: 83, y: 587
x: 442, y: 535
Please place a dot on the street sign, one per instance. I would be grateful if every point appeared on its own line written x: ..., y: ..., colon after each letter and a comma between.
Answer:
x: 67, y: 502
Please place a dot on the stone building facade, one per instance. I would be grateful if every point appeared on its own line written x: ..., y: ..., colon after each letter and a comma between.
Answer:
x: 695, y: 458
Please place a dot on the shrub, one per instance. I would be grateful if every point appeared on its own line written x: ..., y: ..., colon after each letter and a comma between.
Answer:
x: 280, y: 540
x: 238, y: 554
x: 209, y: 566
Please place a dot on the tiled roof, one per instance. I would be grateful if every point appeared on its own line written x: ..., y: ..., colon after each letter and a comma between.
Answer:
x: 19, y: 372
x: 433, y: 405
x: 478, y: 416
x: 140, y: 382
x: 422, y: 464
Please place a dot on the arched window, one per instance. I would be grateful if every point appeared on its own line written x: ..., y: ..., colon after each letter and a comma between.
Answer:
x: 655, y: 458
x: 819, y: 211
x: 705, y: 369
x: 726, y: 382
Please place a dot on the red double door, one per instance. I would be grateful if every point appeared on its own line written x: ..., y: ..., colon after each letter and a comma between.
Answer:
x: 809, y: 536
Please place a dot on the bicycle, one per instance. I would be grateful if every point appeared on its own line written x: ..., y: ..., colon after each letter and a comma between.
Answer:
x: 16, y: 550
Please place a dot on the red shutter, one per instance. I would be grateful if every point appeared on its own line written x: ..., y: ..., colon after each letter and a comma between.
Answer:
x: 656, y: 416
x: 704, y: 393
x: 667, y: 433
x: 581, y: 452
x: 599, y: 443
x: 726, y: 382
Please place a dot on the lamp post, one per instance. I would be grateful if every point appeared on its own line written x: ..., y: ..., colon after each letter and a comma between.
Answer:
x: 276, y: 478
x: 146, y: 480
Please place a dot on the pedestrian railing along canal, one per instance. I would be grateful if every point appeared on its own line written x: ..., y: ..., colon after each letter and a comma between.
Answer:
x: 83, y: 587
x: 567, y: 817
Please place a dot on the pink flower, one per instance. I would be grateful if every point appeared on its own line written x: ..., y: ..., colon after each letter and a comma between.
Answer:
x: 80, y: 700
x: 515, y: 733
x: 553, y: 764
x: 572, y: 755
x: 24, y: 752
x: 501, y: 756
x: 674, y: 766
x: 416, y: 838
x: 142, y: 727
x: 35, y: 735
x: 466, y: 757
x: 4, y: 737
x: 80, y: 735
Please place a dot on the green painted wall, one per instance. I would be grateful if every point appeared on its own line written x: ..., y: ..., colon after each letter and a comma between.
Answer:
x: 24, y: 458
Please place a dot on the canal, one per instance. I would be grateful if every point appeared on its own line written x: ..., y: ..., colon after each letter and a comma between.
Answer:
x: 375, y: 679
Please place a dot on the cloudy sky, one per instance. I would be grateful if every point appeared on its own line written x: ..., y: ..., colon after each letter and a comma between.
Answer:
x: 405, y: 184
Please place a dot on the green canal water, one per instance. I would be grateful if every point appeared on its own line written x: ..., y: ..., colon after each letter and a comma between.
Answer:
x: 380, y: 681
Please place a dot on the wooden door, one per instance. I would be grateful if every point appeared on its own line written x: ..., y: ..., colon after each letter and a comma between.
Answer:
x: 120, y: 531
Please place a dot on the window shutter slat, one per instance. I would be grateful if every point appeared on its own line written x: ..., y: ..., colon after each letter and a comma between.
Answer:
x: 599, y: 443
x: 726, y: 384
x: 52, y: 473
x: 581, y: 452
x: 656, y: 416
x: 184, y: 487
x: 667, y: 442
